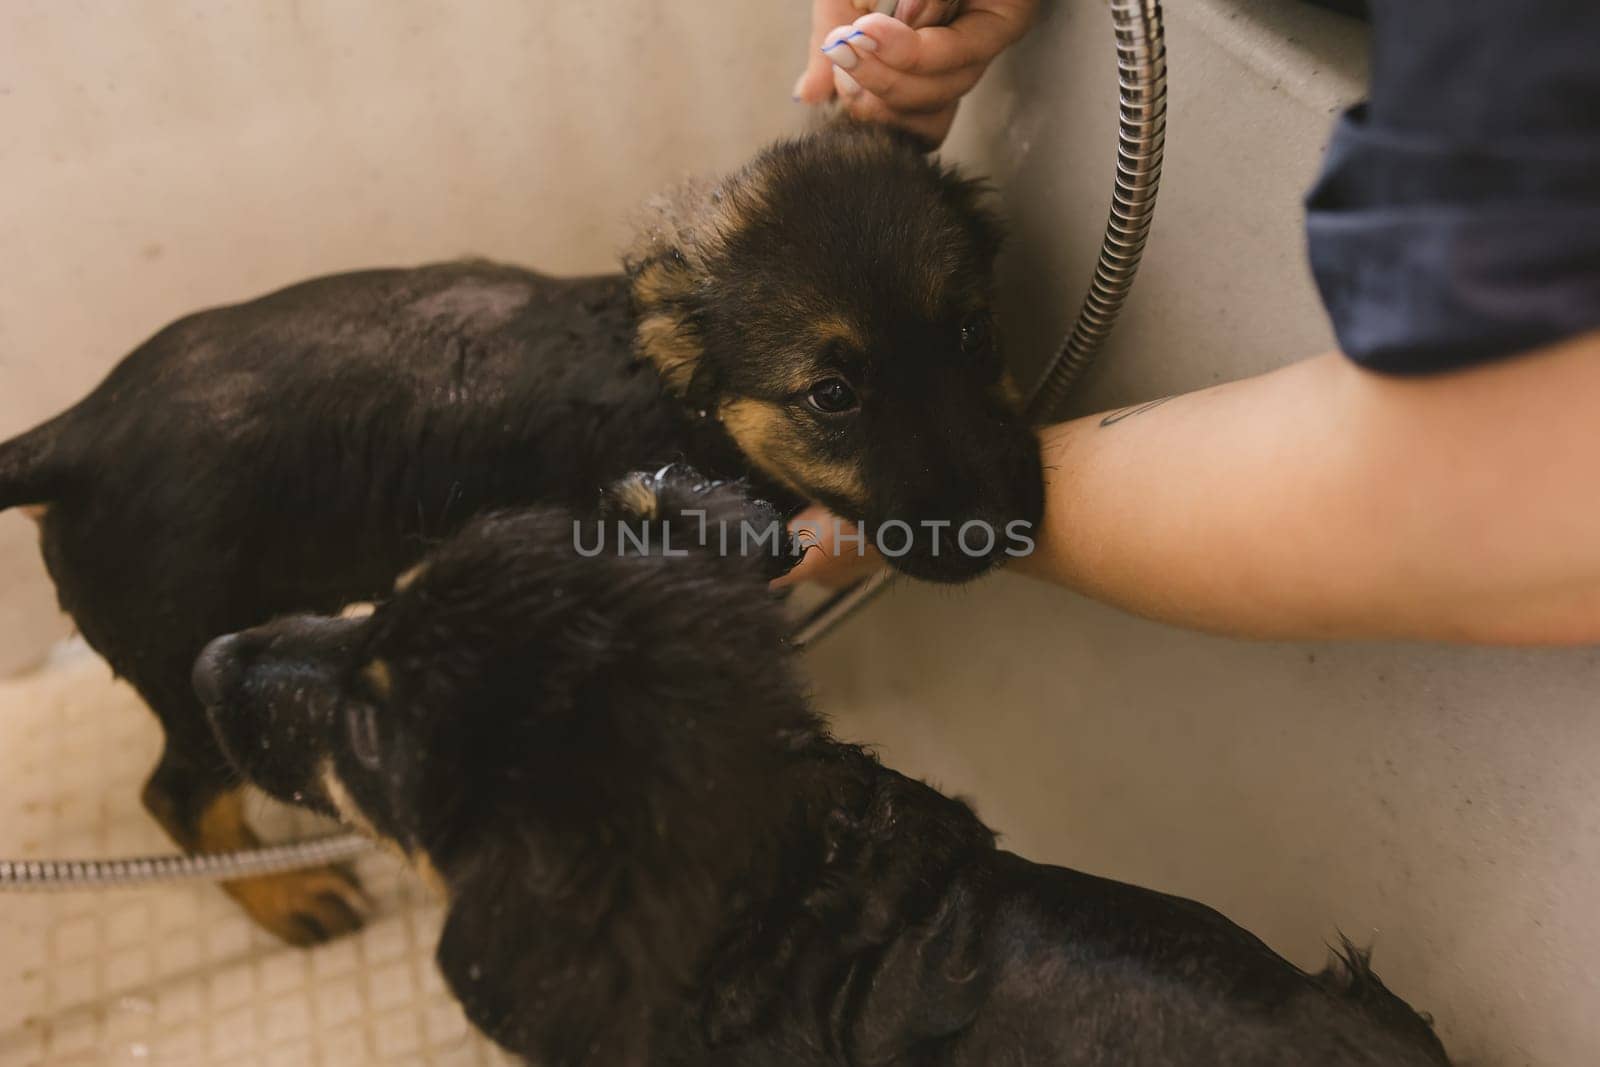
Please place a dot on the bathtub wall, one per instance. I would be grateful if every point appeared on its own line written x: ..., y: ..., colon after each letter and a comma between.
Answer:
x: 1436, y: 803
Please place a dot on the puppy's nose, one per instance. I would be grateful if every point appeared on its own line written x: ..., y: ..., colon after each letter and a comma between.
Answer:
x: 216, y: 671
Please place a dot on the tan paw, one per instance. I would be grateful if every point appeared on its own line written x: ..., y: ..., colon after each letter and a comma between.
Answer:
x: 304, y: 907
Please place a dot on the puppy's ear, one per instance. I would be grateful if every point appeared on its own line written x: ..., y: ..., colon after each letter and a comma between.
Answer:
x: 833, y: 118
x: 532, y: 984
x: 668, y: 267
x: 973, y: 200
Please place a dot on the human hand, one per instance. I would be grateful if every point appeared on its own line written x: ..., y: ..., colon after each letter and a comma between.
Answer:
x: 829, y: 561
x: 911, y: 74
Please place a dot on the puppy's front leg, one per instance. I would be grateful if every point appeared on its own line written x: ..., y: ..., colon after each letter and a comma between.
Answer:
x: 302, y: 907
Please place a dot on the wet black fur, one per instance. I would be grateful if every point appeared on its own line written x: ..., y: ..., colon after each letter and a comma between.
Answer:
x: 296, y: 452
x: 655, y: 853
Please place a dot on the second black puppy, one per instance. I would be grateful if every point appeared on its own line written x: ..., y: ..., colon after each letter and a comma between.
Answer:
x: 653, y: 852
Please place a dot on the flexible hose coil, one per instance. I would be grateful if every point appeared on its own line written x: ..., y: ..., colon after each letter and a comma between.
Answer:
x: 1141, y: 141
x: 215, y: 866
x: 1141, y: 138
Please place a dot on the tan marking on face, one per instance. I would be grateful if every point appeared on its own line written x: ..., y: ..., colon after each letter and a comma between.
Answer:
x: 35, y: 512
x: 378, y: 677
x: 765, y: 433
x: 838, y: 328
x: 409, y: 578
x: 637, y: 496
x: 800, y: 374
x: 334, y: 789
x: 826, y: 329
x: 361, y: 609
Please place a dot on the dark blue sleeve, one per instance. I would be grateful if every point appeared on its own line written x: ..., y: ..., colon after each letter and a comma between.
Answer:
x: 1457, y: 216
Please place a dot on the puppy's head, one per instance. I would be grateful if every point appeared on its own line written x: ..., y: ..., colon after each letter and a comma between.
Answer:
x: 577, y: 748
x: 830, y: 304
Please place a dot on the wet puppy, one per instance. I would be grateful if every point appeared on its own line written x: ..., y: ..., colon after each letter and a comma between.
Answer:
x: 654, y: 853
x: 818, y: 322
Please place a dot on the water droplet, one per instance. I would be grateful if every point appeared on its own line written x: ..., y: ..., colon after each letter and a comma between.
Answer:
x: 298, y: 796
x: 474, y: 972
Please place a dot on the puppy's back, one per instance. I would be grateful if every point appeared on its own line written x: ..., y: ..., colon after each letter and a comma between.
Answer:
x: 1140, y: 977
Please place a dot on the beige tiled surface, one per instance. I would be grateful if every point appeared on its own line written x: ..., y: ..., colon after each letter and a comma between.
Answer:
x: 176, y: 976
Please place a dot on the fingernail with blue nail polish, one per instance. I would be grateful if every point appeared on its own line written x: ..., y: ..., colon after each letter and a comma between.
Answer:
x: 859, y: 40
x: 841, y: 56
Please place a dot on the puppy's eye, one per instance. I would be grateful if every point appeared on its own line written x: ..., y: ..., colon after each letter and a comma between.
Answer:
x: 361, y: 727
x: 975, y: 333
x: 832, y: 396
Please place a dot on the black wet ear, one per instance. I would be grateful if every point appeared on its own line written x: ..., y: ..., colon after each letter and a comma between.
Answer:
x: 536, y: 986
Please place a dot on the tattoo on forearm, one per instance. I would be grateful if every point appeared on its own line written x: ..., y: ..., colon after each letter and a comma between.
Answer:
x: 1128, y: 413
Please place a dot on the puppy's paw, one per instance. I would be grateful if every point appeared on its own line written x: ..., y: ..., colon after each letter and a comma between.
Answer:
x: 716, y: 517
x: 304, y: 907
x: 679, y: 497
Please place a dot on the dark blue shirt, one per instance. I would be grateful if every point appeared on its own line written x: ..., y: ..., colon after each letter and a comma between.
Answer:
x: 1457, y: 217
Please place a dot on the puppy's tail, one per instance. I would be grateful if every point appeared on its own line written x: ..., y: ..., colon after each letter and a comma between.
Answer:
x: 31, y: 468
x: 1349, y: 975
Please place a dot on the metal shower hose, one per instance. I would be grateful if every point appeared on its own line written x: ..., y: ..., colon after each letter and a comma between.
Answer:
x: 1141, y: 135
x: 213, y: 866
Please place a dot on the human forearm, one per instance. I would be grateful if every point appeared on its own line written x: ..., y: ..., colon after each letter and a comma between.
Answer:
x: 1323, y: 500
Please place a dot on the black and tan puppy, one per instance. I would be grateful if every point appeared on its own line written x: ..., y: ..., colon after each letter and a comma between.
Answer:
x: 653, y: 852
x: 818, y: 321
